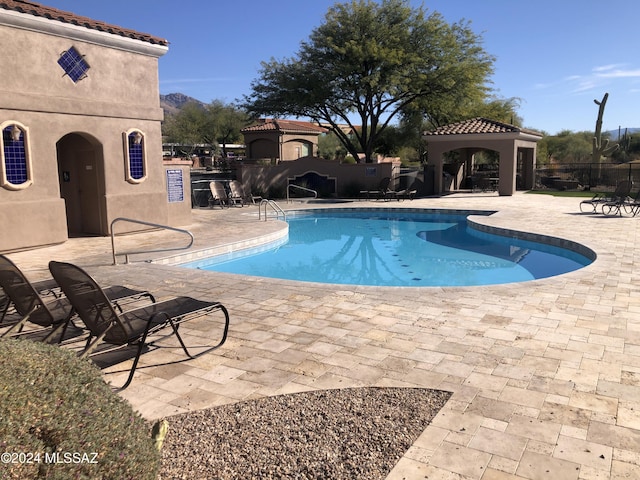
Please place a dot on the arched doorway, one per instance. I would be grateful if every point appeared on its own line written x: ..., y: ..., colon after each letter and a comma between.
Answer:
x: 81, y: 177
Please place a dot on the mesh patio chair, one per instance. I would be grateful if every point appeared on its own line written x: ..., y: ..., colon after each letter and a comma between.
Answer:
x: 383, y: 191
x: 598, y: 200
x: 28, y: 303
x: 44, y: 304
x: 133, y: 327
x: 622, y: 205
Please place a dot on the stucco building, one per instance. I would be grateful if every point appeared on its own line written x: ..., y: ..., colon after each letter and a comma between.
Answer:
x: 80, y: 118
x: 281, y: 140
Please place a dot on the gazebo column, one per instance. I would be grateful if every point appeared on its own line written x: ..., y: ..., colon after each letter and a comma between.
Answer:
x: 528, y: 167
x: 435, y: 159
x: 507, y: 170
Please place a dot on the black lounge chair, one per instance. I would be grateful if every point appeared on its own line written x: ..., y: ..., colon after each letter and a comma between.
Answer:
x: 382, y: 191
x: 43, y: 303
x: 29, y: 304
x: 407, y: 193
x: 626, y: 205
x: 621, y: 192
x: 121, y: 329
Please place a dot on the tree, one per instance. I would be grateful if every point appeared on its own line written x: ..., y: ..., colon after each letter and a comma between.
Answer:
x: 211, y: 125
x: 227, y: 121
x: 369, y: 61
x: 186, y: 126
x: 569, y: 147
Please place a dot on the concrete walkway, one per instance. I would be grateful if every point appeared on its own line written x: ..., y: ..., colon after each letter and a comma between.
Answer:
x: 545, y: 374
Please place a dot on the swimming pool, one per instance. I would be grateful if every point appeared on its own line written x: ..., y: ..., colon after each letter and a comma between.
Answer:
x: 396, y: 248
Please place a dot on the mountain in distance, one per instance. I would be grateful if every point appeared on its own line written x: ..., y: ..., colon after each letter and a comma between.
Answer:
x: 173, y: 102
x: 613, y: 134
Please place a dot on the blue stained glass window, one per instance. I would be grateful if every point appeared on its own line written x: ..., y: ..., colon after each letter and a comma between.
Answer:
x: 136, y: 157
x: 15, y: 157
x: 73, y: 64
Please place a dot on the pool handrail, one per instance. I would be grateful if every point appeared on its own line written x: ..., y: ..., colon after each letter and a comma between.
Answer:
x: 315, y: 194
x: 149, y: 224
x: 276, y: 208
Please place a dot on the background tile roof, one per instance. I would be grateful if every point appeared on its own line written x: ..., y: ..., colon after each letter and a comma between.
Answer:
x: 285, y: 126
x: 38, y: 10
x: 478, y: 125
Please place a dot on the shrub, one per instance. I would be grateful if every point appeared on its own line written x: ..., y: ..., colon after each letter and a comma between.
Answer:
x: 57, y: 412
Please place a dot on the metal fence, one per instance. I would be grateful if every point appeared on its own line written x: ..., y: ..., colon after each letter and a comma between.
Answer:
x: 594, y: 176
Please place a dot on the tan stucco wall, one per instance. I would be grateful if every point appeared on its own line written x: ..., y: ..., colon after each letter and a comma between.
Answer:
x: 179, y: 213
x: 348, y: 176
x: 120, y: 93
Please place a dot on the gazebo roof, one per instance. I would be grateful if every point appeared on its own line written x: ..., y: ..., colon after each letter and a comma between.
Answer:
x: 479, y: 125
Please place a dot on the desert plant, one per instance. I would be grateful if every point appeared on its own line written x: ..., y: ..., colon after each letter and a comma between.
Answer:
x: 60, y: 420
x: 601, y: 148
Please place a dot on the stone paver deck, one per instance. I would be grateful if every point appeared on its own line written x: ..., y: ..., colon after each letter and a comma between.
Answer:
x: 545, y: 374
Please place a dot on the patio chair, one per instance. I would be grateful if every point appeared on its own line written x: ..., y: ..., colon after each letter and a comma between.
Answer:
x: 28, y: 304
x: 599, y: 199
x: 238, y: 191
x: 626, y: 205
x: 130, y: 328
x: 47, y: 289
x: 44, y: 304
x: 381, y: 192
x: 218, y: 194
x: 408, y: 193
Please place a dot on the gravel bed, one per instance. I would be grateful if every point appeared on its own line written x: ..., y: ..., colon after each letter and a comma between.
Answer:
x: 354, y: 433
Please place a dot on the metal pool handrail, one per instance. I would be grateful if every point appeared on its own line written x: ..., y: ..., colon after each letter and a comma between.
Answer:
x: 315, y: 194
x: 276, y: 208
x: 149, y: 224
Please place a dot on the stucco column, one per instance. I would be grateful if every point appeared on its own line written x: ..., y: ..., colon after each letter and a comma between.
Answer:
x: 528, y: 167
x: 507, y: 170
x: 435, y: 159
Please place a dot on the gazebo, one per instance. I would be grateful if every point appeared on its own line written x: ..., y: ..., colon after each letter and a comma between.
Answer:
x: 515, y: 146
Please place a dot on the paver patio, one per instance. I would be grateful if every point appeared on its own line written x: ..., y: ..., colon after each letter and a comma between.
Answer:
x: 545, y: 374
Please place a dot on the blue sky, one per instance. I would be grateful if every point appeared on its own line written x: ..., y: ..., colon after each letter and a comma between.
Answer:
x: 556, y: 56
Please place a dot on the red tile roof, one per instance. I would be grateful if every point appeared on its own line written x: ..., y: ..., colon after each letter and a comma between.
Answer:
x: 38, y: 10
x: 285, y: 126
x: 479, y: 125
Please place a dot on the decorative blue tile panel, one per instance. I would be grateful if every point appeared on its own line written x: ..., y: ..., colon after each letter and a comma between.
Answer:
x: 136, y: 157
x: 15, y: 157
x: 73, y: 64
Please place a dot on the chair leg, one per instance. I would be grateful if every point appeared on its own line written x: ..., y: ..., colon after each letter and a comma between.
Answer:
x: 17, y: 328
x: 5, y: 309
x: 135, y: 363
x: 219, y: 344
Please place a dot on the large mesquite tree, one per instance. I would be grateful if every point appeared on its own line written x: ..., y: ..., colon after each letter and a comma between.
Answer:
x: 369, y: 62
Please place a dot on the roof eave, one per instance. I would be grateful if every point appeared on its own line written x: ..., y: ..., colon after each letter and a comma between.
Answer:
x: 74, y: 32
x: 481, y: 136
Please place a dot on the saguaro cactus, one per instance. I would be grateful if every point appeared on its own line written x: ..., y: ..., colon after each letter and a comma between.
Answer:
x: 600, y: 148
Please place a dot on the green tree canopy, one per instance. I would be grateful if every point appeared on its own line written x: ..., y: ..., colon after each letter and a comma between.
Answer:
x: 214, y: 124
x: 369, y: 61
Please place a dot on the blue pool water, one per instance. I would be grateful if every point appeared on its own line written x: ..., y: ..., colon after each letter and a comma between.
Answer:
x: 387, y: 248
